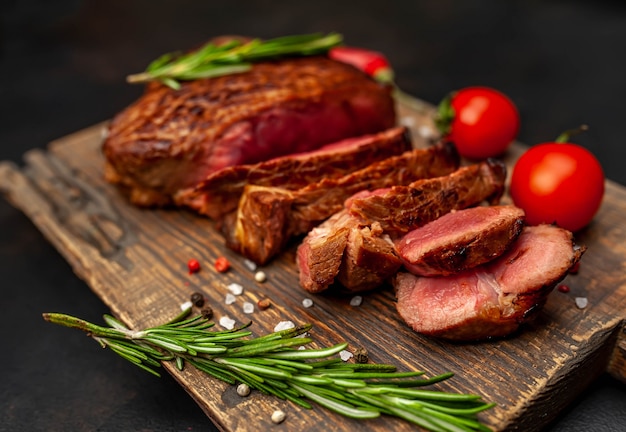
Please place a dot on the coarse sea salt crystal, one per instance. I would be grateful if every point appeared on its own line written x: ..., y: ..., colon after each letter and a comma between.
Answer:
x: 356, y: 301
x: 426, y: 132
x: 307, y: 302
x: 345, y: 355
x: 230, y: 299
x: 186, y: 305
x: 407, y: 121
x: 250, y: 265
x: 227, y: 323
x: 284, y: 325
x: 581, y: 302
x: 235, y: 288
x: 248, y: 307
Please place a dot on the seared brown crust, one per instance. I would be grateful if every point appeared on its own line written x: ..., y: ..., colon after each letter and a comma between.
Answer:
x: 404, y: 208
x: 461, y: 240
x: 168, y: 140
x: 260, y: 239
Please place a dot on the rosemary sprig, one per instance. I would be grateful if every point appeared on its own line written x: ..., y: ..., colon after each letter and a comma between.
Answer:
x: 234, y: 56
x: 272, y: 364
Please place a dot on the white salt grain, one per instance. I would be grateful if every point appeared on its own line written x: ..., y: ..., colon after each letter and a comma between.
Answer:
x: 235, y: 289
x: 186, y: 305
x: 230, y: 299
x: 227, y: 323
x: 248, y: 307
x: 301, y: 348
x: 581, y: 302
x: 284, y: 325
x: 356, y: 301
x: 426, y: 132
x: 307, y: 302
x: 407, y: 121
x: 250, y: 265
x: 345, y: 355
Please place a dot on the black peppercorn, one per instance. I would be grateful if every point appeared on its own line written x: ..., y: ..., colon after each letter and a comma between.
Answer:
x: 197, y: 299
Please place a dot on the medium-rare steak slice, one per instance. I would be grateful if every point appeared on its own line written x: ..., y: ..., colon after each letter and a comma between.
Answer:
x: 369, y: 259
x: 291, y: 213
x: 220, y: 192
x: 434, y: 193
x: 460, y: 240
x: 169, y: 140
x: 492, y: 300
x: 401, y: 209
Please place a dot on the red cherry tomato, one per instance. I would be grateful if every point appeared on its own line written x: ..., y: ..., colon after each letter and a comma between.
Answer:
x: 560, y: 183
x: 373, y: 63
x: 480, y: 121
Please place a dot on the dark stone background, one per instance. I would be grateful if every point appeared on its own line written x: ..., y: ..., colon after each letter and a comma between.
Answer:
x: 62, y: 68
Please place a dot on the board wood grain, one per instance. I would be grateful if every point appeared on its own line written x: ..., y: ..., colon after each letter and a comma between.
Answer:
x: 135, y: 261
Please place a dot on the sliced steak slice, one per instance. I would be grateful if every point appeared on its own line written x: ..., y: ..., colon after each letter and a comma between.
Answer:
x: 358, y: 274
x: 493, y: 300
x: 369, y: 259
x: 460, y: 240
x: 308, y: 207
x: 170, y: 140
x: 220, y: 192
x: 401, y: 209
x: 319, y: 256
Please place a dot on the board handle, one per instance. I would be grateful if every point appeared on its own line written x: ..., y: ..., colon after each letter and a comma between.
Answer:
x: 617, y: 363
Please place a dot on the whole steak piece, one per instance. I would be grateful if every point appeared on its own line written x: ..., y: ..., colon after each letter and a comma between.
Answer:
x: 170, y: 140
x: 492, y: 300
x: 460, y: 240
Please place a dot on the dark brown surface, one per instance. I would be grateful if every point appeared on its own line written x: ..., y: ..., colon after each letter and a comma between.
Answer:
x: 63, y: 65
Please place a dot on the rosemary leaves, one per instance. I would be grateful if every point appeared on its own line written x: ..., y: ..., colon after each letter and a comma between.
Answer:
x: 234, y: 56
x: 273, y: 364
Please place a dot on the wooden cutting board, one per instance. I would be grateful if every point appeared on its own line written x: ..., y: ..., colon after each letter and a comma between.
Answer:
x: 135, y: 260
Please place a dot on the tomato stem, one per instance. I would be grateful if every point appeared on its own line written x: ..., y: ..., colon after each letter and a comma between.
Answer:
x: 565, y: 136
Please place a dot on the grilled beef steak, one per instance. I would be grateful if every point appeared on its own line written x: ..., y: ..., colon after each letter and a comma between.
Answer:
x: 460, y: 240
x: 492, y: 300
x: 268, y: 217
x: 170, y: 140
x: 429, y: 199
x: 401, y: 209
x: 219, y: 194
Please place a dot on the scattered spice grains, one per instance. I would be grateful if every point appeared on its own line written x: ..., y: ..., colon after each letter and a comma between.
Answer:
x: 345, y: 355
x: 563, y: 288
x: 222, y: 264
x: 264, y: 304
x: 227, y: 322
x: 581, y: 302
x: 278, y: 416
x: 284, y: 325
x: 248, y: 307
x: 356, y: 301
x: 235, y: 288
x: 197, y: 299
x: 361, y: 355
x: 193, y: 265
x: 243, y: 390
x: 230, y: 299
x: 206, y: 312
x: 307, y: 302
x: 250, y: 265
x: 260, y: 277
